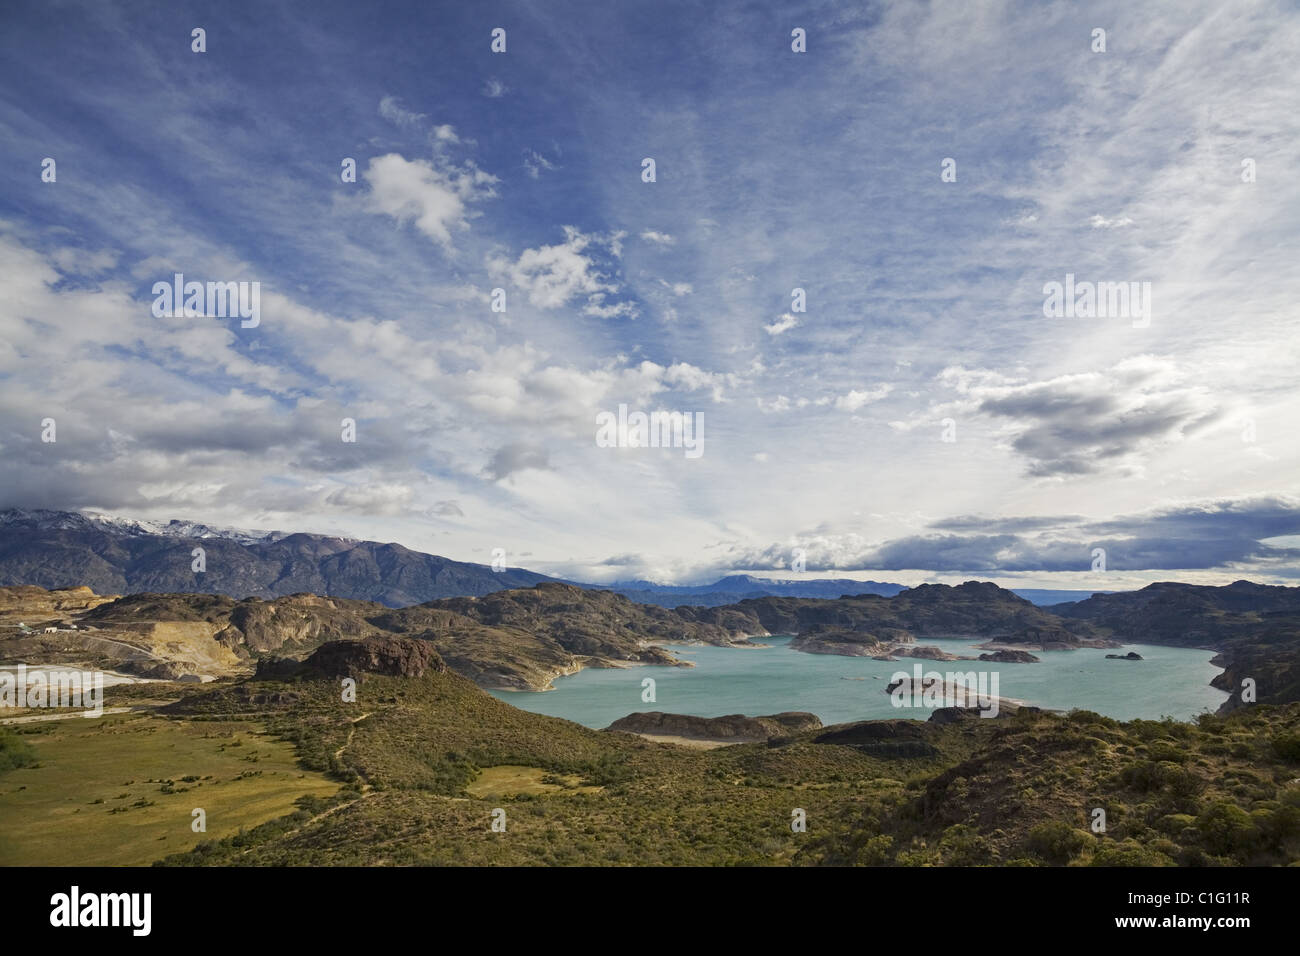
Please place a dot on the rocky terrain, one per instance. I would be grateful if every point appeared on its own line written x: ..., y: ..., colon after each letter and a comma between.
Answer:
x: 388, y: 655
x: 519, y: 639
x: 1011, y: 657
x: 1187, y: 615
x: 524, y: 638
x: 872, y: 626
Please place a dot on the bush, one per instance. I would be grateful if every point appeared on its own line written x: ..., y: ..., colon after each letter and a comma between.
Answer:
x: 1165, y: 750
x: 962, y: 845
x: 1226, y: 829
x: 1057, y: 842
x: 1277, y: 826
x: 1129, y: 853
x: 1287, y: 747
x: 876, y: 851
x: 14, y: 753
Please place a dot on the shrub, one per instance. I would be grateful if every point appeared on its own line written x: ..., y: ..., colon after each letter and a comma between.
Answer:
x: 1057, y: 842
x: 14, y: 753
x: 1165, y: 750
x: 962, y: 845
x: 1287, y: 747
x: 1129, y: 853
x: 1226, y: 829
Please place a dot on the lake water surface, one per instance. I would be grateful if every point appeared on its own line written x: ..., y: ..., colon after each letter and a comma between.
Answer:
x: 1169, y: 681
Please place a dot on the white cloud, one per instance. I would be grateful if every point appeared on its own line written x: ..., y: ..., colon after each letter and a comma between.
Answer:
x: 1101, y: 222
x: 687, y: 376
x: 784, y: 324
x: 391, y: 109
x: 434, y: 197
x: 553, y: 276
x: 857, y: 398
x: 535, y: 163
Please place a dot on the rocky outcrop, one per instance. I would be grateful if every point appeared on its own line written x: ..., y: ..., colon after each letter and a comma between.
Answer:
x: 1130, y: 656
x: 733, y: 728
x: 924, y: 653
x: 389, y: 655
x: 882, y: 738
x: 1011, y: 657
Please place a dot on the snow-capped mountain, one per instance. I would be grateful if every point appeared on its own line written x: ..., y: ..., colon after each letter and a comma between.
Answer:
x: 37, y: 519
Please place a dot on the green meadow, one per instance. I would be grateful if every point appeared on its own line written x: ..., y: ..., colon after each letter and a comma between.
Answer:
x: 119, y: 790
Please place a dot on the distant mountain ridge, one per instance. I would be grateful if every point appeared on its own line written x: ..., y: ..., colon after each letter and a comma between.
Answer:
x: 735, y: 588
x: 53, y: 549
x: 116, y: 555
x: 39, y: 519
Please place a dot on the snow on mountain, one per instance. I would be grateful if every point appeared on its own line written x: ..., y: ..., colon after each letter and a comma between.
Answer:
x: 44, y: 520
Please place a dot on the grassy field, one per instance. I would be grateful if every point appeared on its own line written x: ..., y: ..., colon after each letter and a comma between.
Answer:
x: 512, y: 780
x: 120, y: 790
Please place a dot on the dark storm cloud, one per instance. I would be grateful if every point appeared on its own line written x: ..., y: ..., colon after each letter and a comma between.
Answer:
x: 1208, y: 535
x: 1090, y: 423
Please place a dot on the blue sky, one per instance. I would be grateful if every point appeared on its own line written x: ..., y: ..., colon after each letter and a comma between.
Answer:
x: 1171, y: 444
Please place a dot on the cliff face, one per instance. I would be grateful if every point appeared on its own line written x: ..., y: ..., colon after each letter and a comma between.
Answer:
x: 297, y: 623
x: 34, y: 603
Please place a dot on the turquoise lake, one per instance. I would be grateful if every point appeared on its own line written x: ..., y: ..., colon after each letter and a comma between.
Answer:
x: 1169, y: 681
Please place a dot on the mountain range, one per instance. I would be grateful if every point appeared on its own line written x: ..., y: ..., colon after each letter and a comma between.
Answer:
x: 118, y: 555
x: 54, y: 549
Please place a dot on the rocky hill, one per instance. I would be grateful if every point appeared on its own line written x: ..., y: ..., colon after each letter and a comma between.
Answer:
x: 869, y: 624
x: 1254, y: 627
x: 518, y: 639
x: 522, y: 638
x: 387, y: 655
x: 1188, y: 615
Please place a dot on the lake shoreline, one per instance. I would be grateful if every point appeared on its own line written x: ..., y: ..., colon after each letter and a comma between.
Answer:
x: 1174, y: 681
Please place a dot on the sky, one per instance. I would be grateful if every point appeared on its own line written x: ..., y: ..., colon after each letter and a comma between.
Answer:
x: 922, y: 172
